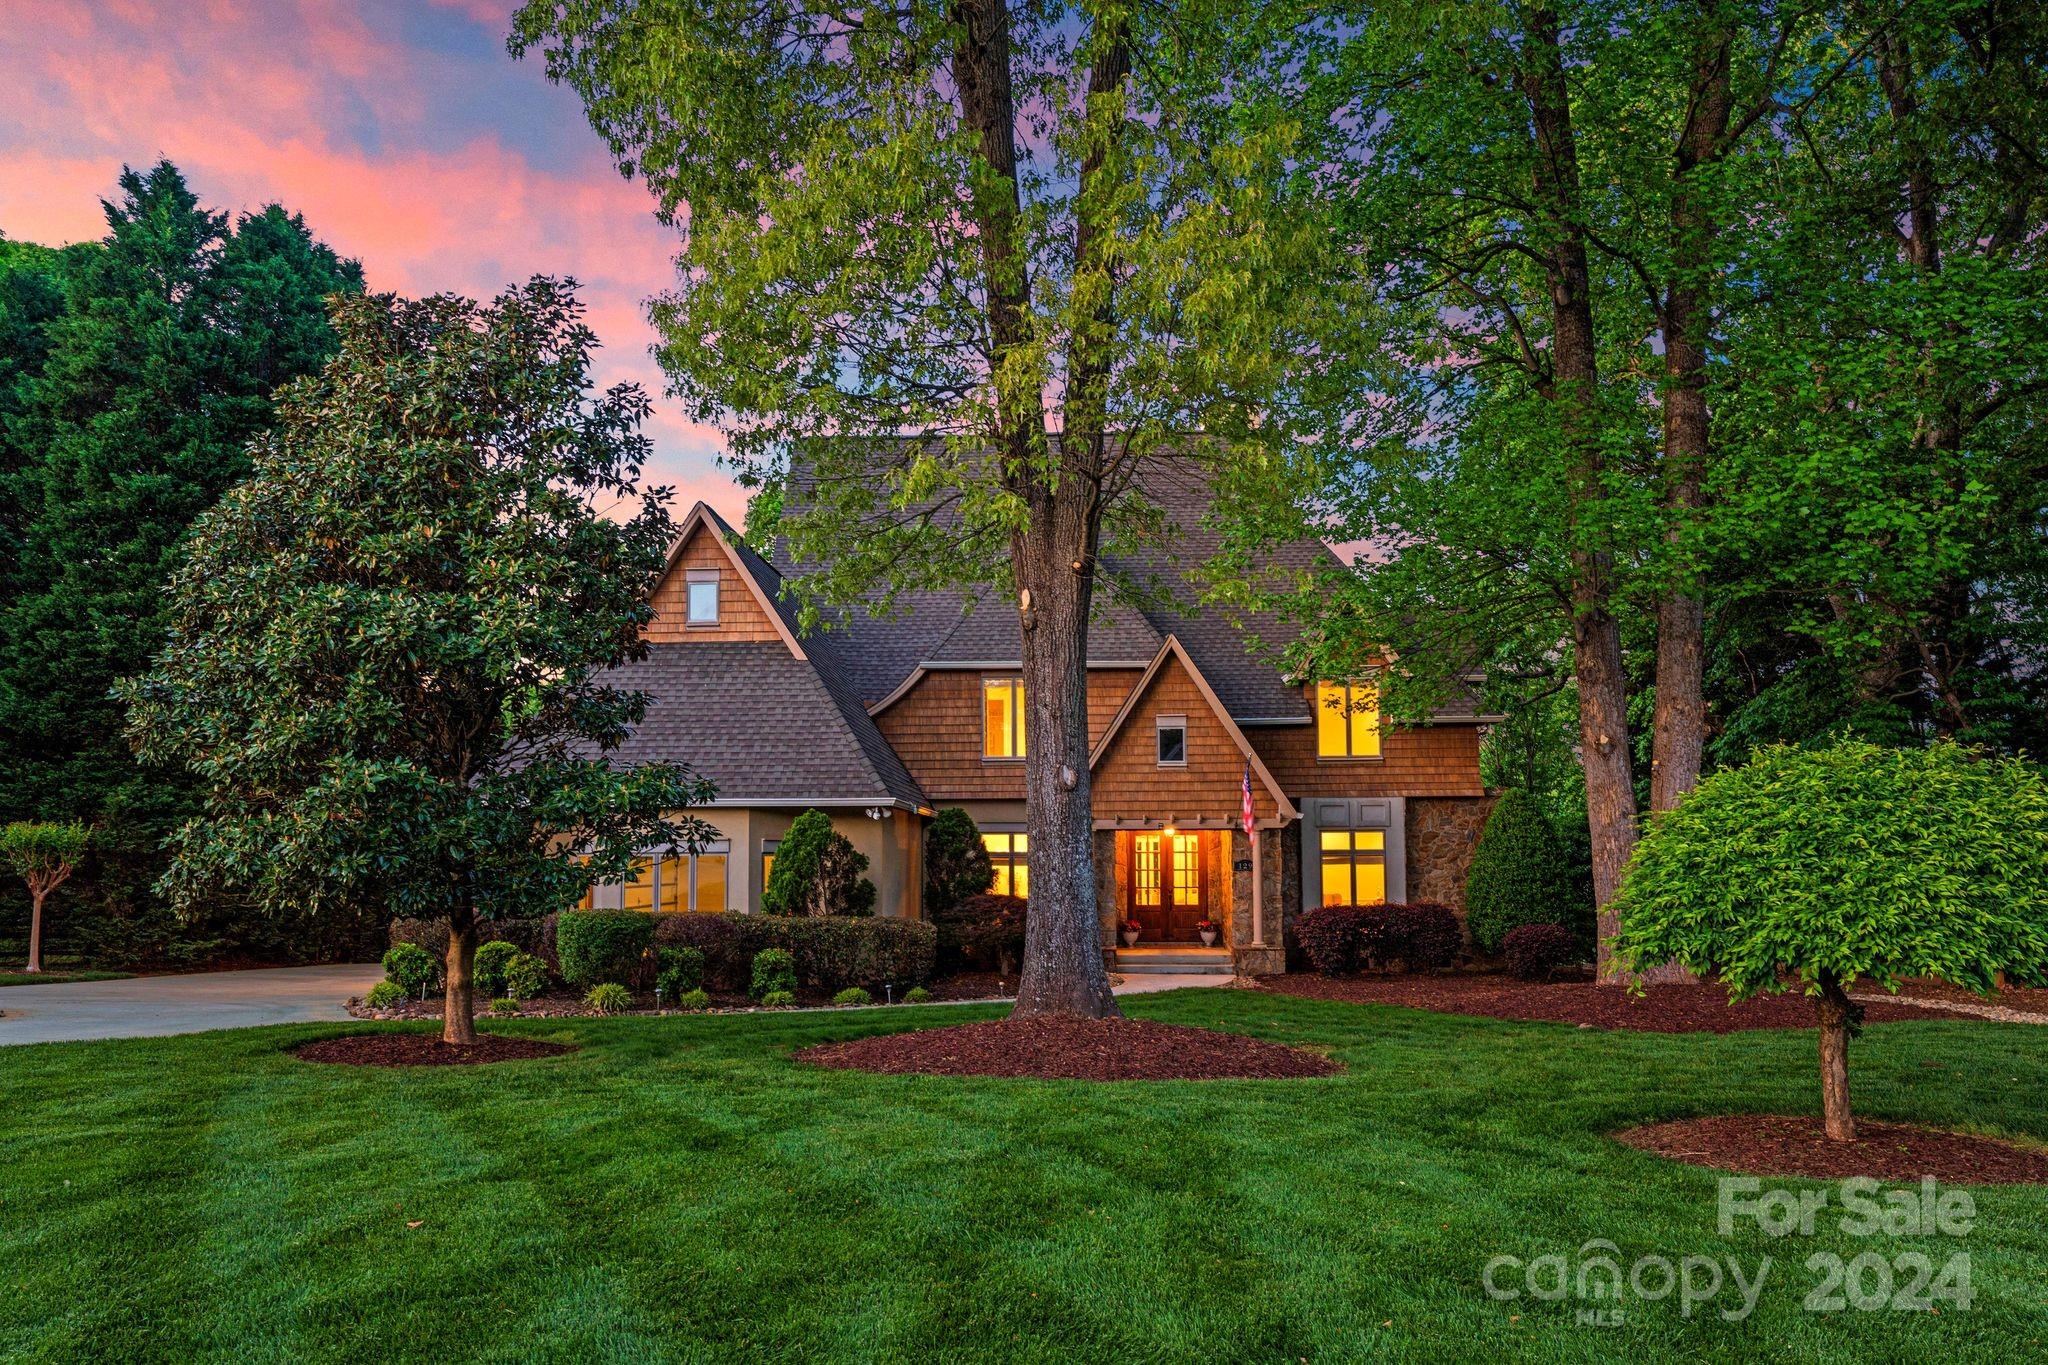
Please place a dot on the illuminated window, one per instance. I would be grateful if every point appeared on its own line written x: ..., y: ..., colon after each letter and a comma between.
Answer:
x: 1166, y: 864
x: 678, y: 882
x: 768, y: 847
x: 703, y: 597
x: 1173, y: 741
x: 1347, y: 720
x: 1145, y: 870
x: 1354, y: 866
x: 1010, y: 857
x: 1002, y: 718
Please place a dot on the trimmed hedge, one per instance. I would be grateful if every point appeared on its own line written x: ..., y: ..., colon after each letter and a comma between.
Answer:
x: 411, y: 967
x: 598, y: 946
x: 489, y: 966
x: 830, y: 952
x: 1341, y: 939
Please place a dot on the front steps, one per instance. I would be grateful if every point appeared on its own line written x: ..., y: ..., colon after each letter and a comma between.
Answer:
x: 1172, y: 960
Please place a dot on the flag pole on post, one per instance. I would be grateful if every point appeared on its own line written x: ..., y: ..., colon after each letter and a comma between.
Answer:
x: 1258, y: 880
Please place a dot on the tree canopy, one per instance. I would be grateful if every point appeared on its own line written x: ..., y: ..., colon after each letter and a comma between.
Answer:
x: 388, y: 652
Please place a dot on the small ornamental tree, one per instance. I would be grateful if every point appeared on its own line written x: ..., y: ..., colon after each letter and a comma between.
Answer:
x: 956, y: 863
x: 1519, y: 873
x: 1809, y: 868
x: 818, y: 872
x: 389, y: 650
x: 44, y: 855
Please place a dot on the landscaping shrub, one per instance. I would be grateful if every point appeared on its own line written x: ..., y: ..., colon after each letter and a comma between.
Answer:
x: 1375, y: 945
x: 1426, y: 935
x: 682, y: 971
x: 956, y: 863
x: 818, y: 872
x: 488, y: 971
x: 609, y: 997
x: 412, y: 967
x: 1519, y: 874
x: 504, y: 1006
x: 1329, y: 937
x: 831, y: 953
x: 385, y: 994
x: 597, y: 946
x: 985, y: 931
x: 775, y: 1000
x: 526, y: 976
x: 530, y: 934
x: 916, y: 995
x: 693, y: 1000
x: 853, y: 995
x: 1534, y: 951
x: 774, y: 973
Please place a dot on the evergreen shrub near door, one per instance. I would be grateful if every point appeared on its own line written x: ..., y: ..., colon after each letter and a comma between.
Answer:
x: 1519, y: 875
x: 596, y: 946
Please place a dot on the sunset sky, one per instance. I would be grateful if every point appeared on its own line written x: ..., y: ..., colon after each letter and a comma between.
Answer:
x: 401, y: 129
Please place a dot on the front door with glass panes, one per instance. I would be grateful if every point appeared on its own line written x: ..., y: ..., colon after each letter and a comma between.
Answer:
x: 1166, y: 886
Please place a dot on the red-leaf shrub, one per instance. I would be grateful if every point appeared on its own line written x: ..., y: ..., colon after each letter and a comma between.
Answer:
x: 1534, y: 951
x: 1329, y: 938
x: 1427, y: 935
x: 1377, y: 942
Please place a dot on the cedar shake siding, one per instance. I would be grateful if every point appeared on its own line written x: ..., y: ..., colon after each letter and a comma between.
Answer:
x: 1430, y: 760
x: 935, y: 728
x: 740, y: 617
x: 1130, y: 784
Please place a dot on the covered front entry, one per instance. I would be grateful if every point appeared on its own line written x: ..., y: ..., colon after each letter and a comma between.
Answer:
x: 1173, y: 880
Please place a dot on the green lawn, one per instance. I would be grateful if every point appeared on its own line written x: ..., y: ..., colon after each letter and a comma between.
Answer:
x: 681, y: 1190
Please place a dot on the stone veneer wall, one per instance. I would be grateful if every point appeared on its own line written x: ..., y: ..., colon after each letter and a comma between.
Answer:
x: 1442, y: 832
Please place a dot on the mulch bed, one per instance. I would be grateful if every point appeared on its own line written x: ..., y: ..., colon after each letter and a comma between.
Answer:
x: 1661, y: 1009
x: 1780, y: 1144
x: 1073, y: 1050
x: 424, y: 1049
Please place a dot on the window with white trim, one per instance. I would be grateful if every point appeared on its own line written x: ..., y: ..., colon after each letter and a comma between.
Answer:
x: 702, y: 587
x: 1171, y: 733
x: 679, y: 881
x: 1347, y: 720
x: 1002, y: 717
x: 1009, y: 856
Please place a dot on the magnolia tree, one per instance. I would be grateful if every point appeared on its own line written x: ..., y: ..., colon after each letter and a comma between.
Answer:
x: 952, y: 275
x: 1807, y: 869
x: 389, y: 651
x: 44, y: 855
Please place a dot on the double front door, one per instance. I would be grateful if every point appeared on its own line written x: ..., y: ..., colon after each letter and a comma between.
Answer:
x: 1167, y: 875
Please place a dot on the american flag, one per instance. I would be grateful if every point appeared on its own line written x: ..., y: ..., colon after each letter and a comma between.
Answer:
x: 1248, y: 817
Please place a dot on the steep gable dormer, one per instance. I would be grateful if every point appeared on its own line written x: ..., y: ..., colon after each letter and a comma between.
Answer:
x: 731, y: 606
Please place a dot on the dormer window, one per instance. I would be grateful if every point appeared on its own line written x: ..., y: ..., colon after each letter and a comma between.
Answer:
x: 703, y: 597
x: 1172, y: 733
x: 1347, y: 720
x: 1002, y: 717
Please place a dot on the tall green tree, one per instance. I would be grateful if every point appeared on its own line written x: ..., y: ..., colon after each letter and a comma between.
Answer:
x: 388, y: 648
x: 1045, y: 240
x: 155, y: 375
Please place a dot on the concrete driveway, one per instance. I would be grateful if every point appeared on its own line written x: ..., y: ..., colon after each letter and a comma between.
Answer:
x: 151, y: 1006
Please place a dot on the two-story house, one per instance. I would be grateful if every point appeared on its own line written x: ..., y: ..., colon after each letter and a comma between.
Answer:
x: 881, y: 720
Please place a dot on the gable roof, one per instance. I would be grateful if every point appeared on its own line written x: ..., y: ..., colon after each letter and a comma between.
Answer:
x: 885, y: 653
x: 765, y: 721
x: 1172, y: 649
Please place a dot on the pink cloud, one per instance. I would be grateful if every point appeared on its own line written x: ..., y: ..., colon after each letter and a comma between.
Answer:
x: 253, y: 107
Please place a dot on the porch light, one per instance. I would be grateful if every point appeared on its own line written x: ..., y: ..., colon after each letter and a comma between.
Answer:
x: 1169, y: 831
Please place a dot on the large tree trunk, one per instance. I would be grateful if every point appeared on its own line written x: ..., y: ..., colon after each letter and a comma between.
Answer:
x: 1596, y: 637
x: 1679, y: 723
x: 1063, y: 971
x: 1836, y: 1011
x: 35, y: 929
x: 458, y: 1010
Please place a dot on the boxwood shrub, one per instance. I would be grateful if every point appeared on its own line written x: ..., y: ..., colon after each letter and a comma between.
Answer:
x: 682, y: 971
x: 830, y: 953
x: 774, y: 973
x: 526, y: 976
x: 534, y: 934
x: 1534, y: 951
x: 412, y: 968
x: 853, y: 995
x: 488, y: 970
x: 597, y: 946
